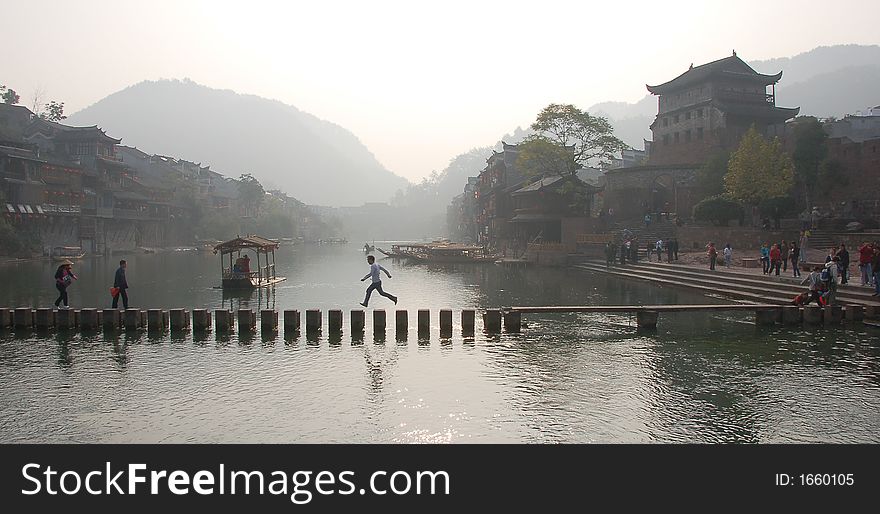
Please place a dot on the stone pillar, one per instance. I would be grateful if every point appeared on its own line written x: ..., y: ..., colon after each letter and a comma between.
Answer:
x: 467, y: 322
x: 268, y: 321
x: 872, y: 311
x: 765, y: 316
x: 88, y: 319
x: 44, y: 319
x: 379, y: 321
x: 132, y: 319
x: 65, y: 319
x: 792, y: 315
x: 492, y: 321
x: 247, y: 320
x: 445, y: 323
x: 157, y: 320
x: 291, y: 322
x: 855, y: 313
x: 334, y: 321
x: 24, y: 317
x: 201, y: 320
x: 424, y: 323
x: 647, y: 319
x: 512, y: 321
x: 224, y: 321
x: 812, y: 315
x: 833, y: 314
x: 112, y: 320
x: 401, y: 321
x: 357, y: 322
x: 179, y: 319
x: 313, y: 320
x: 5, y: 317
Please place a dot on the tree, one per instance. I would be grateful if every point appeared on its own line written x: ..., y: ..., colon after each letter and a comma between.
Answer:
x: 9, y: 95
x: 581, y: 137
x: 251, y: 194
x: 717, y: 210
x: 54, y: 112
x: 810, y: 150
x: 758, y: 170
x: 710, y: 177
x: 539, y: 157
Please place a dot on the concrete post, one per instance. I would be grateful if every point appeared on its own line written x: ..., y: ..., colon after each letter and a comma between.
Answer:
x: 112, y: 320
x: 157, y: 320
x: 334, y: 321
x: 201, y: 320
x: 5, y: 317
x: 378, y: 321
x: 44, y: 319
x: 291, y: 322
x: 833, y: 314
x: 88, y: 319
x: 855, y: 313
x: 179, y: 319
x: 132, y: 319
x: 401, y: 321
x: 65, y: 319
x: 24, y: 317
x: 647, y: 319
x: 445, y: 323
x: 492, y: 321
x: 512, y: 321
x: 247, y: 320
x: 791, y: 315
x: 357, y: 321
x: 765, y: 316
x: 268, y: 321
x: 224, y: 321
x: 467, y: 322
x: 424, y: 323
x: 812, y: 315
x: 313, y: 320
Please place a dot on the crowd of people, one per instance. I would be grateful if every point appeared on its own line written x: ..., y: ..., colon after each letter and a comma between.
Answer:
x: 778, y: 256
x: 823, y: 281
x: 628, y: 250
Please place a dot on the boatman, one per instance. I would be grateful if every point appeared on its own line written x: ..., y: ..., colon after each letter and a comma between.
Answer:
x: 377, y: 282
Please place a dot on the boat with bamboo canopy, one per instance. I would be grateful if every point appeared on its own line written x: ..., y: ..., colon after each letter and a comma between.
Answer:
x: 239, y: 273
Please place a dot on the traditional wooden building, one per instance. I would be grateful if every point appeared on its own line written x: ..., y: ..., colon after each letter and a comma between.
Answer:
x: 703, y: 111
x: 494, y: 204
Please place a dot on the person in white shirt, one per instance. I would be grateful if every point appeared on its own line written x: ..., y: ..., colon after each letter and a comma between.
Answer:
x: 728, y: 255
x: 377, y: 281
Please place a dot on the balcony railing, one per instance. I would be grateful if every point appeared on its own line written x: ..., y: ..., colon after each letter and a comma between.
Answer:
x: 51, y: 208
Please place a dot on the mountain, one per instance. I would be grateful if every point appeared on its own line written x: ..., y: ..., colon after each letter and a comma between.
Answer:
x: 313, y: 160
x: 826, y: 81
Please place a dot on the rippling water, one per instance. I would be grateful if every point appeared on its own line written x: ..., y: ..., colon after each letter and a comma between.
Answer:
x: 567, y: 378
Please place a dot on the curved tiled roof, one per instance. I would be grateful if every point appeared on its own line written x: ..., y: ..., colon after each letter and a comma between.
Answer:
x: 730, y: 67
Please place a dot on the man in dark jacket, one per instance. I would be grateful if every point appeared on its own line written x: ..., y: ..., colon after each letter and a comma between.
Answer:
x: 120, y: 282
x: 844, y: 263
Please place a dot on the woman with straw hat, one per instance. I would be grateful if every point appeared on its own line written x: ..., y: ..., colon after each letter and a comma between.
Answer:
x: 63, y: 277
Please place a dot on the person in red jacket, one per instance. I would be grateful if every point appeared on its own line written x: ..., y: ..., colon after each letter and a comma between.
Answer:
x: 775, y: 259
x: 713, y: 255
x: 866, y: 252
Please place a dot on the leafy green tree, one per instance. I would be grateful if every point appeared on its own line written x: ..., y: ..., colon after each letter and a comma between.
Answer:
x: 718, y: 210
x: 54, y: 112
x: 758, y: 170
x: 9, y: 95
x: 810, y: 150
x: 579, y: 137
x: 250, y: 194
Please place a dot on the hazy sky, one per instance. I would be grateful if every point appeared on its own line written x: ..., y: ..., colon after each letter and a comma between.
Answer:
x: 417, y: 82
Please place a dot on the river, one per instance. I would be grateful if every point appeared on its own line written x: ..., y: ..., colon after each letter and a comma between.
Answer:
x: 700, y: 377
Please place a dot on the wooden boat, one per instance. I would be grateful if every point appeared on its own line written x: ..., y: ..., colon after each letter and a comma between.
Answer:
x: 239, y: 274
x: 63, y: 253
x: 440, y: 251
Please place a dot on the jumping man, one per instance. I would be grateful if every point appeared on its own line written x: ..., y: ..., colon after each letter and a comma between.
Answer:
x: 377, y: 282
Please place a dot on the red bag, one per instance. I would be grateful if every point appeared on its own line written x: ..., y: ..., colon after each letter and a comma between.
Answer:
x: 114, y: 292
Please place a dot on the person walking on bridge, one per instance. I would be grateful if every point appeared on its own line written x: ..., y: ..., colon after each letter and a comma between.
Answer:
x: 63, y: 278
x: 120, y: 283
x: 377, y: 281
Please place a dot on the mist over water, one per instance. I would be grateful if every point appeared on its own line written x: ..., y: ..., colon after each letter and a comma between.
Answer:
x: 566, y: 378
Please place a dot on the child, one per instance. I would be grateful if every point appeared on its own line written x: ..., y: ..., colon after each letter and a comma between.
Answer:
x: 377, y: 282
